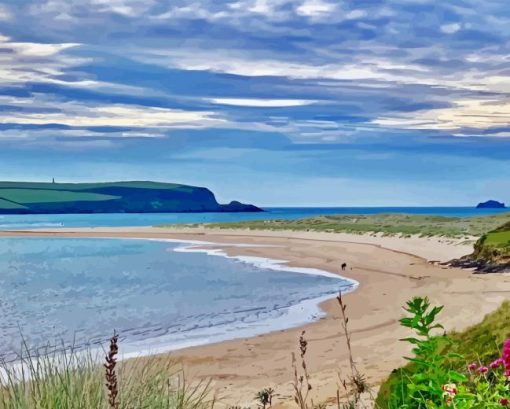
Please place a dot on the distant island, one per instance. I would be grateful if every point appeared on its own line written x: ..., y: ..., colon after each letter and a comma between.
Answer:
x: 491, y: 204
x: 114, y: 197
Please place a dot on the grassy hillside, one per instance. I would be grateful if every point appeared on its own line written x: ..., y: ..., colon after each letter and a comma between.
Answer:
x: 88, y: 186
x: 28, y: 196
x: 6, y: 204
x: 388, y: 224
x: 495, y: 245
x: 117, y: 197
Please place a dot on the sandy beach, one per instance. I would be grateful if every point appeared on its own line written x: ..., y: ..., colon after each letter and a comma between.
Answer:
x: 389, y: 270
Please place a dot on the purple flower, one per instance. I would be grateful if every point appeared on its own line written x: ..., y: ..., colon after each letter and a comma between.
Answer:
x: 473, y: 366
x: 497, y: 363
x: 483, y: 369
x: 505, y: 356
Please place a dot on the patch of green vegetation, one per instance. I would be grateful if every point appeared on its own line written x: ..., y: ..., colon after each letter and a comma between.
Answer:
x: 387, y: 224
x: 494, y: 246
x: 500, y: 238
x: 480, y: 343
x: 5, y: 204
x: 84, y: 186
x: 26, y: 196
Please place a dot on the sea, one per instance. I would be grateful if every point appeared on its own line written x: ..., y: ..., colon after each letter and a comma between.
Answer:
x: 159, y: 295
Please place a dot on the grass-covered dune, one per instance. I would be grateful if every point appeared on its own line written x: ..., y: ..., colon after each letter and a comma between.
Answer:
x: 115, y: 197
x: 387, y: 224
x: 494, y: 246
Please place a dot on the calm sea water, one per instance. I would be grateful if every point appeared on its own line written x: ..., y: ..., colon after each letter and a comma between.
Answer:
x: 156, y: 294
x: 111, y: 220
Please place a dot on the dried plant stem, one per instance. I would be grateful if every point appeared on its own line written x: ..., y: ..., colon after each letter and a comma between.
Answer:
x: 345, y: 321
x: 110, y: 375
x: 356, y: 382
x: 301, y: 383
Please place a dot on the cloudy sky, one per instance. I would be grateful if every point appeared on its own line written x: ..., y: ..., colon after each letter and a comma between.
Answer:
x: 276, y: 102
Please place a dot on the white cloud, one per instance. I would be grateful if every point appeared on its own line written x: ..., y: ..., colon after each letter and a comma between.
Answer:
x: 356, y: 14
x: 28, y: 50
x: 270, y: 103
x: 315, y: 8
x: 66, y: 9
x: 221, y: 62
x: 80, y: 115
x: 261, y: 6
x: 473, y: 114
x: 46, y: 63
x: 5, y: 14
x: 365, y: 71
x: 29, y: 62
x: 450, y: 28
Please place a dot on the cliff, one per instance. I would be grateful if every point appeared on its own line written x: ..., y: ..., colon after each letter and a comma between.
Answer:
x: 115, y: 197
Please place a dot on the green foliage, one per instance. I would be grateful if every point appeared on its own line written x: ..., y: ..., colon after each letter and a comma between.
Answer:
x: 433, y: 369
x: 265, y: 397
x: 441, y: 360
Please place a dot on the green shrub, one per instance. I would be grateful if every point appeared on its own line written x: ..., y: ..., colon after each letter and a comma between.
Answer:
x: 442, y: 361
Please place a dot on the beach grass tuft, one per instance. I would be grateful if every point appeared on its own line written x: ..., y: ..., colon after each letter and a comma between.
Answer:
x: 71, y: 379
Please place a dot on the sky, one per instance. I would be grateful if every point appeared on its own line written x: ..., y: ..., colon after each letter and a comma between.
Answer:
x: 273, y: 102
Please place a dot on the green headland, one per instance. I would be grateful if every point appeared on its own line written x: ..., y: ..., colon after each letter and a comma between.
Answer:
x: 115, y: 197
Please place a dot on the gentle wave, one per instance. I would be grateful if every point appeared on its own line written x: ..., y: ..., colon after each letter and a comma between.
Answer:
x: 304, y: 312
x: 87, y: 287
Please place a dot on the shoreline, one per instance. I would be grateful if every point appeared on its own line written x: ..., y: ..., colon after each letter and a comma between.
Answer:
x: 311, y: 307
x: 387, y: 278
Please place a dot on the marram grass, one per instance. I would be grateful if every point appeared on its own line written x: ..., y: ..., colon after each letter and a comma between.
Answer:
x: 76, y: 380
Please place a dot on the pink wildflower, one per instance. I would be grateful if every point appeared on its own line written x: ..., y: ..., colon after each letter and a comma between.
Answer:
x: 503, y: 402
x: 483, y: 369
x: 472, y: 366
x: 497, y: 363
x: 505, y: 356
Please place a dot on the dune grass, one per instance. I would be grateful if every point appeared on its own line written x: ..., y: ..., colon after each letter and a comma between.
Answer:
x: 76, y: 380
x: 387, y: 224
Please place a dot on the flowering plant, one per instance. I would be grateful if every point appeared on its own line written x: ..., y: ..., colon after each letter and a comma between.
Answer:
x: 489, y: 385
x: 435, y: 381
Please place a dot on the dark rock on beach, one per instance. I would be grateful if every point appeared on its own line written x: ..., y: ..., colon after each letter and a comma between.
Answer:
x: 478, y: 266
